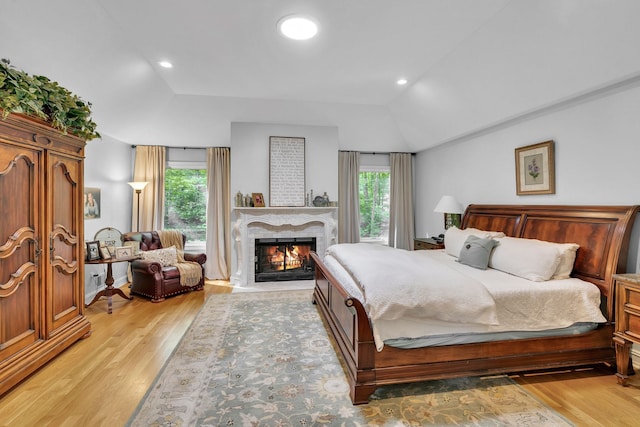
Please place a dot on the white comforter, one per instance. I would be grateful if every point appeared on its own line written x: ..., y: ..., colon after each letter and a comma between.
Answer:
x: 397, y: 283
x: 521, y: 305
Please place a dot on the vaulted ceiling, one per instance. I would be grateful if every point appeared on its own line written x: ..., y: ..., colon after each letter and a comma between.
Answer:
x: 471, y: 64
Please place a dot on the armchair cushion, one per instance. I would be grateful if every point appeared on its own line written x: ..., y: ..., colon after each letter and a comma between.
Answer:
x: 166, y: 257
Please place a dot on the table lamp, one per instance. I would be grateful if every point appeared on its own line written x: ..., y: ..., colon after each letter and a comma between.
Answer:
x: 451, y: 209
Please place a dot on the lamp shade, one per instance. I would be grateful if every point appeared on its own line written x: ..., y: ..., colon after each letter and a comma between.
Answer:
x: 138, y: 185
x: 448, y: 204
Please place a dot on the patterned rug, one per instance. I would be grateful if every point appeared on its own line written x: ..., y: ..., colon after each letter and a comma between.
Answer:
x: 264, y: 359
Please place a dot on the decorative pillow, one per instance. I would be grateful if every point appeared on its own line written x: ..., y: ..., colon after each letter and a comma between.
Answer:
x: 454, y: 238
x: 527, y: 258
x: 567, y: 258
x: 476, y: 252
x: 165, y: 256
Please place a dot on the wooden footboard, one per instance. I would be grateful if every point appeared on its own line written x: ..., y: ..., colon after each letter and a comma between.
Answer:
x: 367, y: 368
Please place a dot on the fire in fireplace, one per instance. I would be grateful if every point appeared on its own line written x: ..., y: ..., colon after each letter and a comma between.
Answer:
x: 281, y: 259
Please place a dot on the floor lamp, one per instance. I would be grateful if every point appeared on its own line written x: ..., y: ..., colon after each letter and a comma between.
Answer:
x: 138, y: 186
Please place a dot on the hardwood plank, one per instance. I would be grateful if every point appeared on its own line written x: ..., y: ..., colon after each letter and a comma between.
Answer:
x: 100, y: 380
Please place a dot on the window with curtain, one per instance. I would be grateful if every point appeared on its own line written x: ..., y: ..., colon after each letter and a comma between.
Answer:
x: 374, y: 204
x: 186, y: 199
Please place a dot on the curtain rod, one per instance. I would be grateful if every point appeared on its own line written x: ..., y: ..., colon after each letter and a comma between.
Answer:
x: 184, y: 148
x: 380, y: 152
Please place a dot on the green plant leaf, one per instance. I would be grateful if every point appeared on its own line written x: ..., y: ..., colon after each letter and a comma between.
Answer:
x: 39, y: 96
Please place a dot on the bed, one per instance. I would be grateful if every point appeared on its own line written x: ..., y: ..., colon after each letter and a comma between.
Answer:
x: 602, y: 233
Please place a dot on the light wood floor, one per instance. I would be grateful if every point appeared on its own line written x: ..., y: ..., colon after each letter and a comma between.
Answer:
x: 100, y: 380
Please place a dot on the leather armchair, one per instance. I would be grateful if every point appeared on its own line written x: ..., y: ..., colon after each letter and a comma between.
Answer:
x: 152, y: 280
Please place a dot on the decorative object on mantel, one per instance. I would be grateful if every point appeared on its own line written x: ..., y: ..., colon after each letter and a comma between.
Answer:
x: 37, y: 96
x: 321, y: 201
x: 535, y: 169
x: 286, y: 171
x: 258, y: 200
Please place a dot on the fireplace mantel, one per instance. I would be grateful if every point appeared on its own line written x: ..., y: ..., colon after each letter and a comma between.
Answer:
x: 249, y: 223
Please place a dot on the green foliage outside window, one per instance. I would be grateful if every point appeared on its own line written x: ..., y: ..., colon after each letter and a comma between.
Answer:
x: 374, y: 205
x: 185, y: 209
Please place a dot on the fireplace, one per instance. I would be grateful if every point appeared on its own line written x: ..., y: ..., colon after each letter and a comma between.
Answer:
x: 284, y: 258
x: 250, y: 224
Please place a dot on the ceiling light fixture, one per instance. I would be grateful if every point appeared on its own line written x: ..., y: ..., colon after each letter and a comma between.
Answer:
x: 165, y: 64
x: 298, y: 27
x: 402, y: 82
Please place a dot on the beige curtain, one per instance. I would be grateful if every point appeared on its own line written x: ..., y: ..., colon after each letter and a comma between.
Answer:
x: 348, y: 197
x: 218, y: 213
x: 149, y: 167
x: 401, y: 227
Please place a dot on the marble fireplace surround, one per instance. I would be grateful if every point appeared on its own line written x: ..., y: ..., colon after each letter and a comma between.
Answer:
x: 249, y: 224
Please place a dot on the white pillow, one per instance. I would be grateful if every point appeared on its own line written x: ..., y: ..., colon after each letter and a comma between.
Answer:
x: 567, y: 258
x: 527, y: 258
x: 454, y: 238
x: 165, y: 256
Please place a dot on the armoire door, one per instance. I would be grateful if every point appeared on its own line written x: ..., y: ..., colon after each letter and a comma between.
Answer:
x: 64, y: 298
x: 21, y: 321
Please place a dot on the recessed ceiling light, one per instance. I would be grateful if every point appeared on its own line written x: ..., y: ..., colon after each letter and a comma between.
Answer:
x: 402, y: 82
x: 165, y: 64
x: 298, y: 27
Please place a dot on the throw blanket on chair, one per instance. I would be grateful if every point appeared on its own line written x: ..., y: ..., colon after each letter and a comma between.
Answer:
x: 190, y: 272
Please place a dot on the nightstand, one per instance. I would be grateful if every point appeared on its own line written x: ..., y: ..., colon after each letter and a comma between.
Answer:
x: 627, y: 302
x: 420, y: 243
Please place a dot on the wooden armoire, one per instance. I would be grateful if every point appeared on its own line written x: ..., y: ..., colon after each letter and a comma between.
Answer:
x: 41, y: 246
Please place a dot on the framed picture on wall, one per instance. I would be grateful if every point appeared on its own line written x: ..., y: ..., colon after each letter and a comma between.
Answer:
x: 286, y: 171
x: 535, y: 169
x: 91, y: 203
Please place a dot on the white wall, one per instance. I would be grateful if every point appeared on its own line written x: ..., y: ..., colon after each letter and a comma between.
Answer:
x: 597, y: 152
x: 250, y: 157
x: 107, y: 166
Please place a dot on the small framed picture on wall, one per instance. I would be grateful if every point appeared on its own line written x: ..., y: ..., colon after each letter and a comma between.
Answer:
x: 91, y: 203
x: 535, y: 169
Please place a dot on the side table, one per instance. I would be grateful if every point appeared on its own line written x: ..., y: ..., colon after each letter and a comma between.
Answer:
x: 627, y: 303
x: 420, y: 243
x: 110, y: 289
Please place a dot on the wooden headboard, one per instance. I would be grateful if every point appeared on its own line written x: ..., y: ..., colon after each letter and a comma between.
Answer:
x: 602, y: 232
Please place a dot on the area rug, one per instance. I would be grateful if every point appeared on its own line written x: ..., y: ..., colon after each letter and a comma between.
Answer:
x: 265, y: 359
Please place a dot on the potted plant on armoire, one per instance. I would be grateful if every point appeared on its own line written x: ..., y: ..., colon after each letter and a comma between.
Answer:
x: 43, y: 131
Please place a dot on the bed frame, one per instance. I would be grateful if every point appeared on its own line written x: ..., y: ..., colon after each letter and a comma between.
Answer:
x: 603, y: 233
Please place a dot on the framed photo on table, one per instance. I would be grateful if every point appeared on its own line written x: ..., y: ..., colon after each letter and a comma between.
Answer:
x: 124, y: 252
x: 134, y: 244
x: 104, y: 252
x: 535, y: 169
x: 93, y: 250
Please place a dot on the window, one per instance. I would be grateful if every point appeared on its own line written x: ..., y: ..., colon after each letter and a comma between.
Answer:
x: 185, y: 199
x: 374, y: 204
